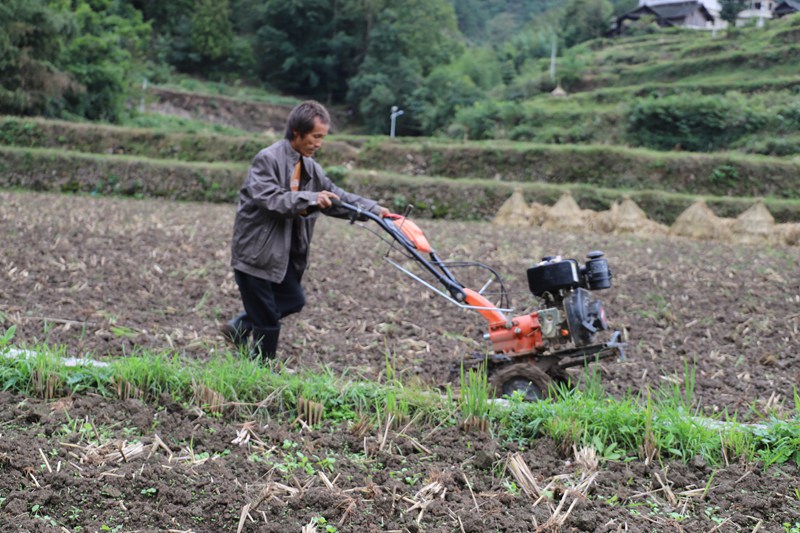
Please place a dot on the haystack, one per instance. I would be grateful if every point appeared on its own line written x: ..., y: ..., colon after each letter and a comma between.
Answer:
x: 538, y: 213
x: 513, y: 212
x: 700, y: 222
x: 755, y: 225
x: 788, y: 234
x: 628, y: 218
x: 566, y: 214
x: 605, y: 221
x: 558, y: 91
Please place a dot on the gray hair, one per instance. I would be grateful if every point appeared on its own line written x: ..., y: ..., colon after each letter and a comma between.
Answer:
x: 301, y: 119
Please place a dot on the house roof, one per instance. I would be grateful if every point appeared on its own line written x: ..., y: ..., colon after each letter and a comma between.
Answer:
x: 680, y: 10
x: 671, y: 14
x: 788, y: 5
x: 667, y: 14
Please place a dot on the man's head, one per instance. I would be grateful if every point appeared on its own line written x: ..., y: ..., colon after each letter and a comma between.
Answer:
x: 307, y: 125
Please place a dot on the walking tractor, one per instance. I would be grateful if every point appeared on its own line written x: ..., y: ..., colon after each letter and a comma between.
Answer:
x: 529, y: 352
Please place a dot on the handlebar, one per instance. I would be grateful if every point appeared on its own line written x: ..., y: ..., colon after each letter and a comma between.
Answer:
x: 444, y: 276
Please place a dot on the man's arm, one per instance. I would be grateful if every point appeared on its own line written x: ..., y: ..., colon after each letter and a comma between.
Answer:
x: 351, y: 198
x: 265, y: 187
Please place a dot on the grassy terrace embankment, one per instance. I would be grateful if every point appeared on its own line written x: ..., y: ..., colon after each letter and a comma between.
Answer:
x: 442, y: 197
x: 143, y: 142
x: 442, y: 179
x: 610, y: 167
x: 598, y: 165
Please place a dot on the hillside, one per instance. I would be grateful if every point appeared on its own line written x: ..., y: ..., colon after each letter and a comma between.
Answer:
x: 670, y: 89
x: 639, y: 113
x: 737, y: 90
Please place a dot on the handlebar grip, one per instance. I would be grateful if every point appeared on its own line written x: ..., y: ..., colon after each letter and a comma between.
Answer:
x: 356, y: 212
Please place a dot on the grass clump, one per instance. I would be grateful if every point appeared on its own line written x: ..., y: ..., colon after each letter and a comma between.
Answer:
x: 654, y: 426
x: 474, y: 400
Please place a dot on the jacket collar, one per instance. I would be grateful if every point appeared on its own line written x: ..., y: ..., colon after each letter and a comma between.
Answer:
x: 290, y: 153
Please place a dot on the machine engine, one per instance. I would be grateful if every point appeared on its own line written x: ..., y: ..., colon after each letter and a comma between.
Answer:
x: 570, y: 313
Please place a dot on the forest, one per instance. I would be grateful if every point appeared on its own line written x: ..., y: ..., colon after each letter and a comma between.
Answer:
x: 84, y: 59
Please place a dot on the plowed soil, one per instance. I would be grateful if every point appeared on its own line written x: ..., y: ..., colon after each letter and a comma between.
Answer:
x: 107, y: 277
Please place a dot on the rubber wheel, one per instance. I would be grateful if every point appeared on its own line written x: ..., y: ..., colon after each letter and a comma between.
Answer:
x: 523, y: 377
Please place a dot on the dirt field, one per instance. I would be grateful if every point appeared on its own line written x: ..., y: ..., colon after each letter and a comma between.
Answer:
x: 106, y: 277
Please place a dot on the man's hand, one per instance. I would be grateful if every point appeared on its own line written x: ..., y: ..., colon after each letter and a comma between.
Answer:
x: 325, y: 199
x: 382, y: 211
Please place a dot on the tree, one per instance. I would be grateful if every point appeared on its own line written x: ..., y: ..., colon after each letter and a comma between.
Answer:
x: 443, y: 93
x: 585, y: 19
x: 407, y: 40
x: 500, y: 28
x: 32, y: 37
x: 472, y: 17
x: 197, y: 36
x: 730, y: 9
x: 106, y: 53
x: 164, y: 16
x: 479, y: 20
x: 212, y: 32
x: 310, y: 47
x: 69, y: 57
x: 624, y: 6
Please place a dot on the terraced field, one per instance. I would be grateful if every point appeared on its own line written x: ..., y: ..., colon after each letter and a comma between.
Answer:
x: 115, y: 248
x: 112, y: 278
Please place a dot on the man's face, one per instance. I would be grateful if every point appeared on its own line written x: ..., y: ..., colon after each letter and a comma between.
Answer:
x: 309, y: 143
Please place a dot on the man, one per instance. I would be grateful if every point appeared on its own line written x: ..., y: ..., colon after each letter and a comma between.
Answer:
x: 283, y: 195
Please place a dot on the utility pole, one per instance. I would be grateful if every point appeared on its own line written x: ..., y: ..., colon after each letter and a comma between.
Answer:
x: 142, y: 106
x: 396, y: 112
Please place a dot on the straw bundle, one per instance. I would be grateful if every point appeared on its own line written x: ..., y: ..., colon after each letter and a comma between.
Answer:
x: 628, y: 218
x: 605, y: 221
x: 755, y: 225
x: 788, y: 234
x: 566, y: 215
x: 513, y: 212
x: 538, y: 213
x: 699, y: 222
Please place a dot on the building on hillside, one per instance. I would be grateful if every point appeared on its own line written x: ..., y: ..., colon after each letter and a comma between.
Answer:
x: 713, y: 6
x: 758, y: 11
x: 786, y: 7
x: 684, y: 14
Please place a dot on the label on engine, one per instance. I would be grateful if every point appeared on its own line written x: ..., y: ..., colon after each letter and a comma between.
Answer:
x: 549, y: 322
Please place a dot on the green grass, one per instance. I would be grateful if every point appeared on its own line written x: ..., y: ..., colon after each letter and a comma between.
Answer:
x: 474, y: 401
x: 241, y: 92
x: 173, y: 124
x: 660, y: 424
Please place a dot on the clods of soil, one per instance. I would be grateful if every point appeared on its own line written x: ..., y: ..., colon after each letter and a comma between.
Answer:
x: 107, y: 277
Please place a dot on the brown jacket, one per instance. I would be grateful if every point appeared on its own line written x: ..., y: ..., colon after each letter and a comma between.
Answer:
x: 269, y: 209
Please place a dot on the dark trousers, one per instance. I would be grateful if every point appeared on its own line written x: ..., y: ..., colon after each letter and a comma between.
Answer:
x: 265, y: 302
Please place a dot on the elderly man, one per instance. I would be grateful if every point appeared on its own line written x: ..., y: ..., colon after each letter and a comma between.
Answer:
x: 284, y: 193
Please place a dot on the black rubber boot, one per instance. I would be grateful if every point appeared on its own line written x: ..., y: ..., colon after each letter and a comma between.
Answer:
x: 237, y: 330
x: 265, y: 343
